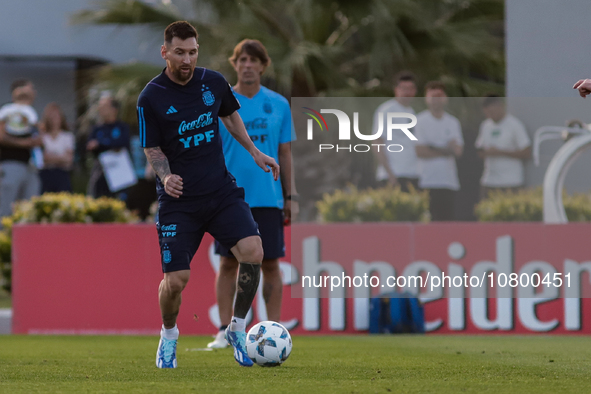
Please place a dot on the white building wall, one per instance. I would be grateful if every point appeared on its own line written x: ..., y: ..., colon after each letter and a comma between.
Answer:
x: 38, y: 41
x: 547, y: 52
x: 44, y: 28
x: 54, y: 81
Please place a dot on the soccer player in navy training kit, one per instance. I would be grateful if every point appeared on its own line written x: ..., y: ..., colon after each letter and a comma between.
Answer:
x: 273, y: 203
x: 178, y: 114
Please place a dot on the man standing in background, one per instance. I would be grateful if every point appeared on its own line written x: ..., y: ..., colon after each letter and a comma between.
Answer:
x: 273, y: 203
x: 440, y: 142
x: 503, y: 143
x: 398, y: 168
x: 18, y: 136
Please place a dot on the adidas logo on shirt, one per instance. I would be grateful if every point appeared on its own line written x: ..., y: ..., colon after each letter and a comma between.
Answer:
x: 171, y: 110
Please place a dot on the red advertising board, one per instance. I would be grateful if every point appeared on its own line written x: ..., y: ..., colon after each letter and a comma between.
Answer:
x: 103, y: 279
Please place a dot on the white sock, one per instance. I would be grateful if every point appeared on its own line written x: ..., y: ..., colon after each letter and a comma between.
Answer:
x: 170, y: 333
x: 238, y: 324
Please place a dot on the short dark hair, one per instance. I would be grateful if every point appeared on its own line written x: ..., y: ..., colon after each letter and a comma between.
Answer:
x: 180, y: 29
x: 491, y: 99
x: 115, y: 104
x: 19, y: 83
x: 404, y: 76
x: 253, y: 48
x: 434, y: 85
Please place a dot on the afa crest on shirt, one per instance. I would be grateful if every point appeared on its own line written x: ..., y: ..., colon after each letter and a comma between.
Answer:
x: 207, y: 95
x: 115, y: 133
x: 267, y: 107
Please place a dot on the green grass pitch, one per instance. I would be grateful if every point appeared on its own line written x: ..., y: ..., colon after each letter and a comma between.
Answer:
x: 335, y: 364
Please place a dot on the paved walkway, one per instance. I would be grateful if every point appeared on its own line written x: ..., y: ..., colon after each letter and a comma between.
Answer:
x: 5, y: 321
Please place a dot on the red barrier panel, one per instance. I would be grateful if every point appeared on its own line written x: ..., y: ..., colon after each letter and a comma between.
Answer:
x: 103, y: 279
x: 456, y: 250
x: 88, y: 279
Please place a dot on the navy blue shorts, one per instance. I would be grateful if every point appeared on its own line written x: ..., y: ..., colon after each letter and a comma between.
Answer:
x: 182, y: 224
x: 270, y: 221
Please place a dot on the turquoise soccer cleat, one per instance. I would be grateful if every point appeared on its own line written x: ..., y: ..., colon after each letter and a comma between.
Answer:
x: 166, y: 355
x: 238, y: 340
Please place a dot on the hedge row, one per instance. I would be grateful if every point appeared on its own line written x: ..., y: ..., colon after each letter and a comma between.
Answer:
x: 58, y: 208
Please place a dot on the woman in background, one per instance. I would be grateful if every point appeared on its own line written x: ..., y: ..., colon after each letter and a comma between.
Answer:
x: 58, y: 146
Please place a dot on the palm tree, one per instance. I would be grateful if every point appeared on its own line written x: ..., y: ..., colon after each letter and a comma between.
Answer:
x: 333, y: 48
x: 323, y: 47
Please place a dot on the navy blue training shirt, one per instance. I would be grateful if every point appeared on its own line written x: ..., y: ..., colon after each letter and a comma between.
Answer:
x: 111, y: 136
x: 183, y: 121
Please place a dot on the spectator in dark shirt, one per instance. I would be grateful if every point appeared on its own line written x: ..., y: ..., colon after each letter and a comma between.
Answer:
x: 141, y: 195
x: 111, y: 134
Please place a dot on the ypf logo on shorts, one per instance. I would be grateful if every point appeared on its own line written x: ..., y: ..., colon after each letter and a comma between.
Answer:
x: 392, y: 124
x: 168, y: 231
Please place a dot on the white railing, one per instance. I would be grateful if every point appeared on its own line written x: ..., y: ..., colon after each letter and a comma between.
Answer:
x: 578, y: 139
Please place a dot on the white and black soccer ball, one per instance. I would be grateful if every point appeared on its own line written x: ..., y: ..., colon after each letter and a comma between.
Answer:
x: 268, y: 344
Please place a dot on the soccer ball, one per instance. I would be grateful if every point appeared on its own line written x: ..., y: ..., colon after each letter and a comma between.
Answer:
x: 268, y: 344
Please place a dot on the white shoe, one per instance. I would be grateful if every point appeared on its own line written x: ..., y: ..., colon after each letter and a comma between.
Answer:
x: 219, y: 341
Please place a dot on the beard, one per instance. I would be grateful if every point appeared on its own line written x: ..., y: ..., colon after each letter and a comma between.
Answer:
x: 178, y: 74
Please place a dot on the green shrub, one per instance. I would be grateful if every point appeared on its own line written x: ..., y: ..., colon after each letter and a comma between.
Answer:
x: 577, y: 207
x: 527, y: 205
x: 5, y: 268
x: 374, y: 205
x: 5, y: 248
x: 58, y: 208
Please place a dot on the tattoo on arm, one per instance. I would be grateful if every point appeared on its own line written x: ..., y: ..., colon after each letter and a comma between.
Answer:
x: 158, y: 161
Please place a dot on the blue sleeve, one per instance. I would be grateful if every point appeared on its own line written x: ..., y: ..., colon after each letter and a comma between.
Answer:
x: 148, y: 125
x: 287, y: 127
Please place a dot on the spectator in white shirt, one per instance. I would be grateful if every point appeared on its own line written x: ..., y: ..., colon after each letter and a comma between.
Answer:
x: 439, y: 143
x: 18, y: 138
x: 58, y: 151
x: 398, y: 168
x: 503, y: 143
